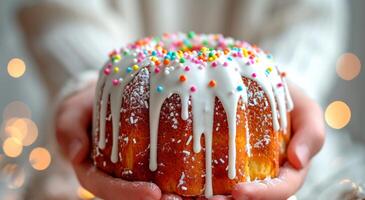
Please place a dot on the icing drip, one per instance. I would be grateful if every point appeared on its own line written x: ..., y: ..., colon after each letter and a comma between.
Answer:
x: 200, y: 75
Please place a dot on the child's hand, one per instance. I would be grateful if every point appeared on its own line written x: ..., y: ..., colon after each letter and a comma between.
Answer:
x: 307, y: 140
x: 73, y: 121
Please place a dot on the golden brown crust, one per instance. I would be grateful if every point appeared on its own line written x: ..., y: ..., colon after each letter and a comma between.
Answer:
x: 180, y: 170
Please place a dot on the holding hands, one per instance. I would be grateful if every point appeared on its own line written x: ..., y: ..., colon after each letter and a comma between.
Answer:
x: 73, y: 122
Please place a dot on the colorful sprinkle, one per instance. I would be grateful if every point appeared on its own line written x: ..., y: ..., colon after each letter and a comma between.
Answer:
x: 107, y: 71
x: 115, y: 82
x: 154, y: 58
x: 199, y: 50
x: 129, y: 69
x: 112, y: 53
x: 116, y: 58
x: 191, y: 34
x: 212, y: 83
x: 245, y: 54
x: 166, y: 62
x: 135, y: 67
x: 239, y: 88
x: 159, y: 89
x: 268, y: 71
x: 182, y: 78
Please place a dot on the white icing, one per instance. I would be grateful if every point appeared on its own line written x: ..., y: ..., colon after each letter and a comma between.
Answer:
x: 227, y: 73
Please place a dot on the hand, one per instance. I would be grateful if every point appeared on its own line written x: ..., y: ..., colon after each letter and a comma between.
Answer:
x: 308, y: 138
x: 73, y: 120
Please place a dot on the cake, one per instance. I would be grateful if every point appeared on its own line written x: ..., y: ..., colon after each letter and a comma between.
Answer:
x: 193, y: 113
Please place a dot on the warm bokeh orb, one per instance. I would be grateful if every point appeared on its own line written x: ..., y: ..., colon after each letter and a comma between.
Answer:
x: 337, y: 114
x: 40, y: 158
x: 82, y: 193
x: 348, y: 66
x: 32, y: 133
x: 25, y: 130
x: 12, y: 147
x: 16, y: 127
x: 16, y: 109
x: 16, y: 67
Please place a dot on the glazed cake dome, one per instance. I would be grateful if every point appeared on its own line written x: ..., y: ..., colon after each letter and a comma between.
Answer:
x: 193, y: 113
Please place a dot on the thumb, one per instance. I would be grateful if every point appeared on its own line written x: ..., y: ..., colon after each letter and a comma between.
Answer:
x: 73, y: 120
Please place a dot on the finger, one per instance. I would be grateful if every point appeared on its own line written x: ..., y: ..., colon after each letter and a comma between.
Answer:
x: 308, y: 129
x: 282, y: 187
x: 170, y: 197
x: 107, y: 187
x: 72, y: 122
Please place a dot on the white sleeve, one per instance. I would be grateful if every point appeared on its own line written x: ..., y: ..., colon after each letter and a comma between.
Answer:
x: 309, y: 46
x: 67, y: 39
x: 304, y: 36
x: 76, y: 84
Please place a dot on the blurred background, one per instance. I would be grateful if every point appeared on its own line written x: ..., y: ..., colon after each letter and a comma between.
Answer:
x: 27, y: 150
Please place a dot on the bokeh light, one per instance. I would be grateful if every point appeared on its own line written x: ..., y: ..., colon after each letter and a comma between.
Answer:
x: 16, y: 109
x: 337, y: 114
x: 348, y: 66
x: 25, y: 130
x: 32, y: 133
x: 16, y: 67
x: 82, y: 193
x: 13, y: 175
x: 16, y: 127
x: 12, y: 147
x: 40, y: 158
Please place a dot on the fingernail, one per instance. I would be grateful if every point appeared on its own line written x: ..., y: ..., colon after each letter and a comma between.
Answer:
x: 74, y: 148
x: 302, y: 152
